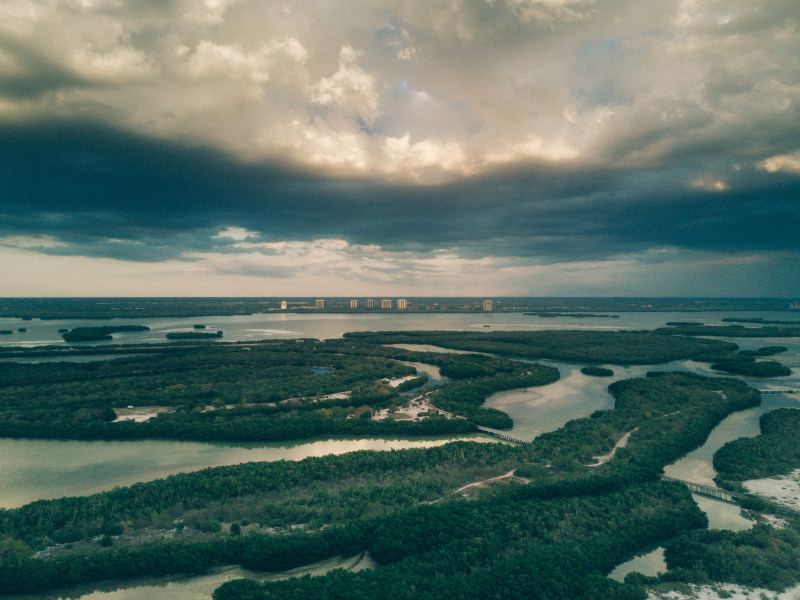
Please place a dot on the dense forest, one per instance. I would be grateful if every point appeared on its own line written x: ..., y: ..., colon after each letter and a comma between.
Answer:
x: 548, y: 519
x: 402, y: 507
x: 774, y: 451
x: 258, y: 392
x: 734, y: 331
x: 604, y: 347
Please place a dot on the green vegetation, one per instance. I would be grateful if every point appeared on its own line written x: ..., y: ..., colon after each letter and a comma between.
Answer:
x: 193, y: 335
x: 759, y: 320
x: 510, y: 549
x: 555, y: 531
x: 256, y: 392
x: 607, y: 347
x: 569, y: 514
x: 94, y: 334
x: 529, y: 545
x: 576, y: 315
x: 734, y: 331
x: 597, y: 372
x: 749, y: 368
x: 774, y: 451
x: 764, y: 351
x: 761, y: 557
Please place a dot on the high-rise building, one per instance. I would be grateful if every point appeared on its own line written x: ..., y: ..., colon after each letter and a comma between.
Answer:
x: 369, y: 303
x: 488, y: 306
x: 353, y: 303
x: 319, y: 303
x: 386, y: 303
x: 284, y: 305
x: 402, y: 304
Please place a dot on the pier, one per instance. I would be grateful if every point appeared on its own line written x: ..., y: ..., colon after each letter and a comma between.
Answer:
x: 505, y: 435
x: 709, y: 491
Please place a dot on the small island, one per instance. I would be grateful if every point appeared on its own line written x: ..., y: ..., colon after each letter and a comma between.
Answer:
x: 750, y: 368
x: 193, y: 335
x: 96, y: 334
x: 597, y: 371
x: 575, y: 315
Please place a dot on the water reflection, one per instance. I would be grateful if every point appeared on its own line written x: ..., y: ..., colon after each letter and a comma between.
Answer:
x: 43, y: 469
x: 199, y: 587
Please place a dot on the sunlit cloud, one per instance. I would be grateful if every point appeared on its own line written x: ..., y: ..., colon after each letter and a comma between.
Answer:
x: 543, y: 146
x: 709, y: 184
x: 789, y: 163
x: 235, y: 233
x: 32, y: 241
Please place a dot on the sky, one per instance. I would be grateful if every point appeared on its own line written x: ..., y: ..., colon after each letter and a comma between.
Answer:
x: 444, y: 147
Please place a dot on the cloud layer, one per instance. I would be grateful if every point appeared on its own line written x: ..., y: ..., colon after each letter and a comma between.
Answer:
x: 544, y: 146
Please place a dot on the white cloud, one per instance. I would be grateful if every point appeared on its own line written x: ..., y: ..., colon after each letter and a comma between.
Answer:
x: 709, y: 184
x: 789, y: 163
x: 320, y: 85
x: 235, y: 233
x: 550, y: 11
x: 32, y: 241
x: 401, y: 155
x: 122, y: 63
x: 212, y: 59
x: 209, y: 11
x: 350, y: 87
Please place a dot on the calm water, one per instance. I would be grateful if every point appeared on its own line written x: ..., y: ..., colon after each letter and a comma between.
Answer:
x: 323, y: 326
x: 42, y: 469
x: 200, y: 587
x: 34, y: 469
x: 651, y: 563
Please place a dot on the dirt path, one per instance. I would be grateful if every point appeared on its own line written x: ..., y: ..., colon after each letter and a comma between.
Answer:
x: 607, y: 457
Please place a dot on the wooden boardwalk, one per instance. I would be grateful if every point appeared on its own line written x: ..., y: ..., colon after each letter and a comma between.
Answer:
x: 710, y: 491
x: 505, y: 435
x: 732, y: 497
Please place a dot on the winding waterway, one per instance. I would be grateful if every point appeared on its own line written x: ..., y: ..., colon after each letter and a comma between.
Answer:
x: 37, y: 469
x: 43, y: 469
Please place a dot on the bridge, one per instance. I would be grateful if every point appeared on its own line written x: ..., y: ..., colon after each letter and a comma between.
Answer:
x: 505, y: 435
x: 732, y: 497
x: 780, y: 391
x: 709, y: 491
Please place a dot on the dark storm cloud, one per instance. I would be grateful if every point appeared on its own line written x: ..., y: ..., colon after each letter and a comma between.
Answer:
x: 34, y: 74
x: 104, y: 192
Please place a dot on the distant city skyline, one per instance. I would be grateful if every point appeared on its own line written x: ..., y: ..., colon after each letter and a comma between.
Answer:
x: 394, y: 149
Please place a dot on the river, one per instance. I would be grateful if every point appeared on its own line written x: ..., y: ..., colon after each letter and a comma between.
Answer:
x: 34, y: 469
x: 43, y: 469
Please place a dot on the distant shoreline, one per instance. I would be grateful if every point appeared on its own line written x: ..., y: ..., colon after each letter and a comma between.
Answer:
x: 136, y: 308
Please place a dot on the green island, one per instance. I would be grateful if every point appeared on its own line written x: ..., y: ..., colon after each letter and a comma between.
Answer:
x: 764, y: 556
x: 96, y: 334
x: 734, y: 331
x: 597, y: 372
x: 264, y: 391
x: 576, y: 315
x: 605, y: 347
x: 750, y: 368
x: 758, y: 320
x: 764, y: 351
x: 774, y: 451
x: 546, y: 519
x: 193, y: 335
x: 406, y: 508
